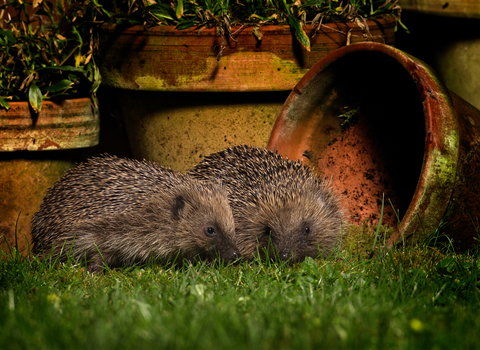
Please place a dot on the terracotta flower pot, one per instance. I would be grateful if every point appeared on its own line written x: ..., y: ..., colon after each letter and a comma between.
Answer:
x: 26, y: 175
x: 180, y: 100
x: 455, y: 8
x: 377, y: 121
x: 67, y: 124
x: 453, y: 50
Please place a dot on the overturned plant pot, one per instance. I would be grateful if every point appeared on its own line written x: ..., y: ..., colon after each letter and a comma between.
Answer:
x: 186, y: 93
x: 35, y: 150
x: 378, y: 122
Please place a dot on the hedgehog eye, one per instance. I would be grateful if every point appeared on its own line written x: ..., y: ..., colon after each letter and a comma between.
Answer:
x: 267, y: 232
x: 306, y: 230
x: 210, y: 231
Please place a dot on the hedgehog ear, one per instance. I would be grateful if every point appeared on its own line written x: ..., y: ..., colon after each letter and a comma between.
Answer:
x: 178, y: 207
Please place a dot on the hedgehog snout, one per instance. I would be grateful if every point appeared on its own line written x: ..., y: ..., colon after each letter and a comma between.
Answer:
x: 230, y: 255
x: 235, y: 256
x: 285, y: 254
x: 229, y: 252
x: 291, y: 253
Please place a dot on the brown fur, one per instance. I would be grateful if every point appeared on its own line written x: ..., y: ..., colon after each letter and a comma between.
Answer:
x: 133, y: 211
x: 277, y: 200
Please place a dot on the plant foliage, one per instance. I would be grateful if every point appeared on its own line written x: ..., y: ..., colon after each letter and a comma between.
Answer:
x: 47, y: 47
x: 223, y: 14
x: 46, y: 50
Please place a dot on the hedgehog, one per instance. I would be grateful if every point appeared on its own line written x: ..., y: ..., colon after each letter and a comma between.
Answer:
x: 122, y: 212
x: 281, y: 207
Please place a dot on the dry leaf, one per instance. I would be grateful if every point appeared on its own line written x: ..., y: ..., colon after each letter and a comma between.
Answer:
x: 349, y: 36
x: 258, y: 34
x: 37, y: 3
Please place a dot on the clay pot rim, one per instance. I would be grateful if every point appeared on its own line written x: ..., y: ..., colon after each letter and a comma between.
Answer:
x: 61, y: 124
x: 56, y: 102
x: 441, y: 139
x: 237, y: 29
x: 166, y: 59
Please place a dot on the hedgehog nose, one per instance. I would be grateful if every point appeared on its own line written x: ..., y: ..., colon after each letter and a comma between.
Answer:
x: 235, y: 256
x: 285, y: 254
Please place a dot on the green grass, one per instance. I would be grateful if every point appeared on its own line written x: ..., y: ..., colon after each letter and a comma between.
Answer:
x: 418, y: 297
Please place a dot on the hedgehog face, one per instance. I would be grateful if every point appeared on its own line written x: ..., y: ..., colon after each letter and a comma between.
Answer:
x: 289, y: 226
x: 288, y: 235
x: 220, y: 242
x: 207, y: 222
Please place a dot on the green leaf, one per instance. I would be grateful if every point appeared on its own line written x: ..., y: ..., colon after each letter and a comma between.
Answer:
x: 185, y: 24
x: 313, y: 3
x: 8, y: 35
x: 78, y: 36
x: 403, y: 26
x: 60, y: 7
x: 35, y: 98
x: 160, y: 11
x: 106, y: 12
x: 285, y: 7
x: 97, y: 80
x: 4, y: 103
x: 446, y: 266
x: 65, y: 69
x: 299, y: 32
x: 179, y: 9
x: 60, y: 86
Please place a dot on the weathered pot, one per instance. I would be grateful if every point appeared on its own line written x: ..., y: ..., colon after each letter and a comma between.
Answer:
x: 199, y: 102
x: 25, y: 175
x: 455, y: 8
x: 445, y: 35
x: 377, y: 121
x: 67, y: 124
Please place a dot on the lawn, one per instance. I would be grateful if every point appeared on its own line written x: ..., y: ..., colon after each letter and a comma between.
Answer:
x: 422, y: 296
